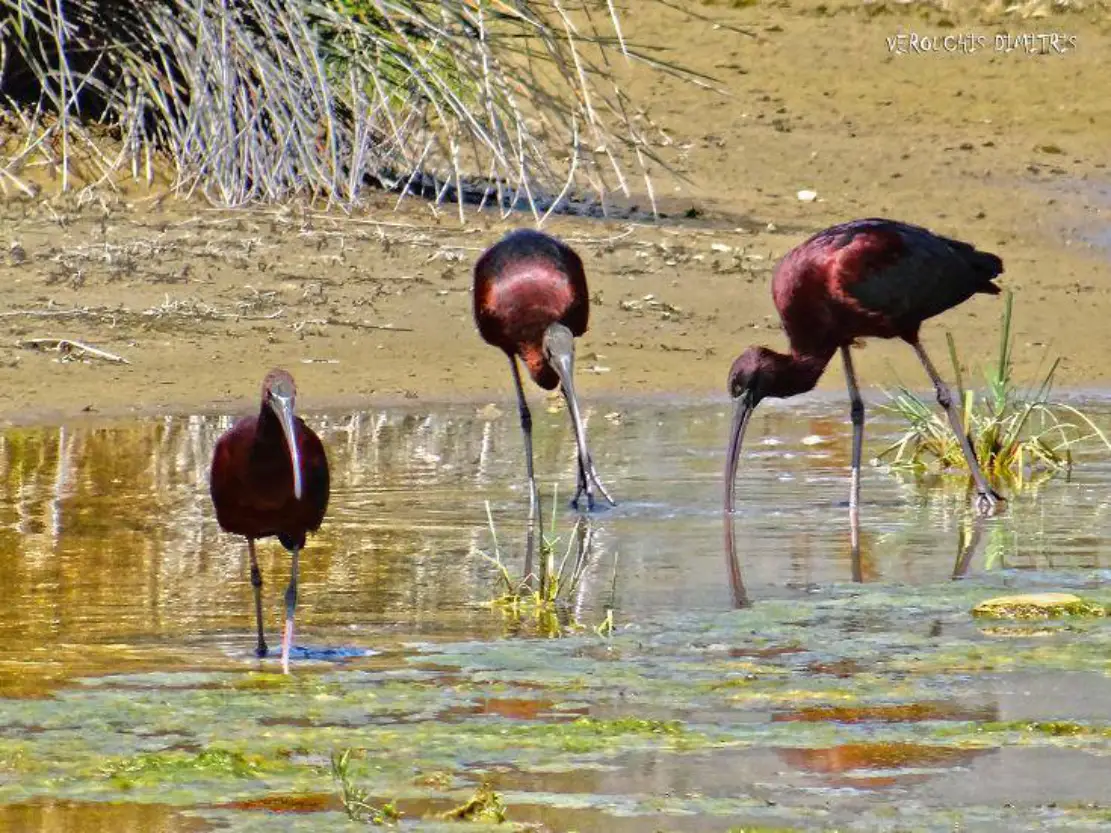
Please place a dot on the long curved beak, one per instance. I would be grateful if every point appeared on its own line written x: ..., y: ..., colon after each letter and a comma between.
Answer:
x: 561, y: 359
x: 283, y: 408
x: 743, y: 406
x: 560, y: 349
x: 742, y: 410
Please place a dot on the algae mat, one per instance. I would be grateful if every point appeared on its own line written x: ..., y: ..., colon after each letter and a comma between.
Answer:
x: 853, y: 709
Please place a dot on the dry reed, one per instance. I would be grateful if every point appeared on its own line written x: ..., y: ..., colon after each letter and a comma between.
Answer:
x: 495, y: 102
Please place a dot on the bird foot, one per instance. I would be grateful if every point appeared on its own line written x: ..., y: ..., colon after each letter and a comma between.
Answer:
x: 989, y: 503
x: 591, y: 503
x: 587, y: 479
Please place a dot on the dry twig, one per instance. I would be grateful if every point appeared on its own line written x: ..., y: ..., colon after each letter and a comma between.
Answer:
x: 69, y: 348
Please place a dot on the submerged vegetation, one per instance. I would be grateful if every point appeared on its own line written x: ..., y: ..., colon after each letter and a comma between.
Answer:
x: 264, y: 100
x: 1020, y: 436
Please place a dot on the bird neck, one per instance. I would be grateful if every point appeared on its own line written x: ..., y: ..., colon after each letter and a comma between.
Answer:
x: 794, y: 373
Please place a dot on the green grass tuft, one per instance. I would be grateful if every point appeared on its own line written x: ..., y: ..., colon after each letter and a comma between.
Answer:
x: 546, y: 609
x: 1020, y: 436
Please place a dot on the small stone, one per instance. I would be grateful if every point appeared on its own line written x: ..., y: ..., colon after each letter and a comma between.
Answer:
x: 807, y: 196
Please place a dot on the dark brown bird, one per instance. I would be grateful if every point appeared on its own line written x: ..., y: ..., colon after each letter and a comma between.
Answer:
x: 866, y: 278
x: 531, y: 300
x: 270, y: 477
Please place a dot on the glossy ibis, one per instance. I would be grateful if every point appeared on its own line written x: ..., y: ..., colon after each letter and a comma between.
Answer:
x: 270, y: 477
x: 866, y: 278
x: 531, y: 300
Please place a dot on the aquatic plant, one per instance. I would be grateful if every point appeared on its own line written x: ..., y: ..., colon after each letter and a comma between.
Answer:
x: 354, y: 797
x: 547, y: 606
x: 484, y: 806
x: 1020, y: 436
x: 263, y: 100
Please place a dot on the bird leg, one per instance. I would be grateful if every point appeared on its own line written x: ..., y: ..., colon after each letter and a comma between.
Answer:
x: 290, y: 607
x: 533, y: 491
x: 256, y: 583
x: 857, y: 414
x: 987, y: 499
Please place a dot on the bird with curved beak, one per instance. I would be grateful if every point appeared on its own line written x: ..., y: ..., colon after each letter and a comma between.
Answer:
x: 280, y: 395
x: 270, y: 477
x: 531, y: 300
x: 869, y: 278
x: 559, y: 352
x: 745, y: 399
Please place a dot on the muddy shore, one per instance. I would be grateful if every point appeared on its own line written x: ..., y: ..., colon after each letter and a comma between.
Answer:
x: 1006, y: 149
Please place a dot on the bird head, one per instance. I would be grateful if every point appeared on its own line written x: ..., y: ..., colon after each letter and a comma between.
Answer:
x: 749, y: 375
x: 278, y: 394
x: 559, y: 350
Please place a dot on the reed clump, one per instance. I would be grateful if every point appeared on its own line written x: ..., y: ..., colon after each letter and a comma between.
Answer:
x: 507, y: 102
x: 545, y: 605
x: 1020, y: 435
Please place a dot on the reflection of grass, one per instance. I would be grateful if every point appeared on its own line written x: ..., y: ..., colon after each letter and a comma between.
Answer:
x: 1018, y: 436
x: 354, y: 798
x: 547, y: 608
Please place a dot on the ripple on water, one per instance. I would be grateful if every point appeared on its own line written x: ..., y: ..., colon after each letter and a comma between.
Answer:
x: 126, y: 646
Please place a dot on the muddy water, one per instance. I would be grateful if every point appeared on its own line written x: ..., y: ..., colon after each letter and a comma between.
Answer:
x: 133, y: 699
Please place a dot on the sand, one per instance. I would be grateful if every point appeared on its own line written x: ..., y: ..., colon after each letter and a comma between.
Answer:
x: 1007, y: 150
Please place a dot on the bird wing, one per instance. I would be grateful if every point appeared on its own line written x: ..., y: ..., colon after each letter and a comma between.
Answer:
x: 316, y: 479
x: 909, y: 274
x: 224, y: 483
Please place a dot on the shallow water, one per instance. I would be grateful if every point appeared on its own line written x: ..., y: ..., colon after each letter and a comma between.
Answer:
x: 126, y: 645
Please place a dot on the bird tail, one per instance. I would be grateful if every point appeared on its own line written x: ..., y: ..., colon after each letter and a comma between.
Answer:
x: 986, y: 266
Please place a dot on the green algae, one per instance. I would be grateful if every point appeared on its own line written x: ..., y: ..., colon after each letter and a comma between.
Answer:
x: 1046, y: 728
x: 176, y: 767
x: 847, y: 691
x: 1038, y: 606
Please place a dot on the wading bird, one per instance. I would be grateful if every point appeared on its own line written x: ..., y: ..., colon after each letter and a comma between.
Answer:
x: 531, y: 300
x: 270, y: 477
x: 866, y: 278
